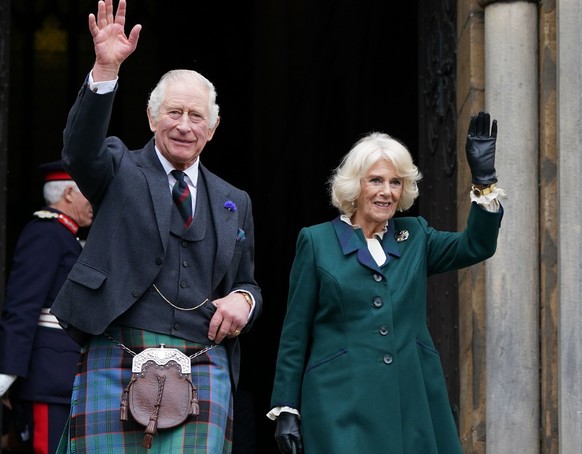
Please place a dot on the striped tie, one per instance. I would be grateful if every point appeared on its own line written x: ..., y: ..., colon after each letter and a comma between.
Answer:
x: 182, y: 197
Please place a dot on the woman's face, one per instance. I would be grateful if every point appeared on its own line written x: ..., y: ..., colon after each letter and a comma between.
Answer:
x: 381, y: 189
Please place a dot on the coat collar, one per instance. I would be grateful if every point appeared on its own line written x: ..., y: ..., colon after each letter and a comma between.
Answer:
x: 352, y: 240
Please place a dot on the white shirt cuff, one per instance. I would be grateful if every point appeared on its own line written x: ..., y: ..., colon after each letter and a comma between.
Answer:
x: 102, y: 87
x: 252, y: 299
x: 5, y: 382
x: 275, y: 412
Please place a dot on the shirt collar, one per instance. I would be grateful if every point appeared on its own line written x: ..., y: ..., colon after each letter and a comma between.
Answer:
x: 348, y: 221
x: 191, y: 172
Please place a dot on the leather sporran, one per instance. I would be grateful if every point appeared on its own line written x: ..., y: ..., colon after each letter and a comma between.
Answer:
x: 160, y: 393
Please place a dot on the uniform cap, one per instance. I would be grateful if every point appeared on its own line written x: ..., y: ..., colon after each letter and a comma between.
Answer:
x: 54, y: 171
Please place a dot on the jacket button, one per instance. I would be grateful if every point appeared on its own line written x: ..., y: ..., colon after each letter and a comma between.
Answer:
x: 135, y: 294
x: 377, y: 302
x: 388, y: 359
x: 159, y: 261
x: 377, y: 277
x: 383, y: 330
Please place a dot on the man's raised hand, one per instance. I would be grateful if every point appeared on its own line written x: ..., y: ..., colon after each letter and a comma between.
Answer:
x: 111, y: 44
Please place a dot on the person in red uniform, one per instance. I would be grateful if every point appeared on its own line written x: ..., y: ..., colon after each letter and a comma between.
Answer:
x: 37, y: 357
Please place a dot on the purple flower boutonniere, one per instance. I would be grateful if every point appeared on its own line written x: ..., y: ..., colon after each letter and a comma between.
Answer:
x: 230, y: 205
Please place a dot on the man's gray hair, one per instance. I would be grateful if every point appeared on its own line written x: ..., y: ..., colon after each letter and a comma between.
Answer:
x: 158, y: 93
x: 53, y: 191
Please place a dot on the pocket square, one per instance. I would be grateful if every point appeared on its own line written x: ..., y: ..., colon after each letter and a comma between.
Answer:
x: 240, y: 235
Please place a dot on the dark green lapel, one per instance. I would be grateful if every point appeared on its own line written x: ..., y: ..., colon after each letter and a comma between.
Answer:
x: 352, y: 240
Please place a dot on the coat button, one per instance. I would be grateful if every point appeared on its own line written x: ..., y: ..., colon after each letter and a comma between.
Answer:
x: 135, y: 294
x: 377, y: 277
x: 182, y: 284
x: 388, y: 359
x: 377, y: 302
x: 384, y: 330
x: 159, y: 261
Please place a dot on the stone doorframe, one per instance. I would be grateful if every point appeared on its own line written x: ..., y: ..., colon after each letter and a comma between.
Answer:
x: 520, y: 316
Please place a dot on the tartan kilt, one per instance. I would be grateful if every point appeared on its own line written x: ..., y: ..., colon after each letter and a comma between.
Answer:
x: 104, y: 372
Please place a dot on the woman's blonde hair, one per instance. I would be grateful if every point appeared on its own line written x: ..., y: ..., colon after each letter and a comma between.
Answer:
x: 345, y: 182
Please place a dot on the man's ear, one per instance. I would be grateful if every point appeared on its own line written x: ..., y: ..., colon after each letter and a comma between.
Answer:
x: 68, y: 194
x: 152, y: 121
x: 213, y: 129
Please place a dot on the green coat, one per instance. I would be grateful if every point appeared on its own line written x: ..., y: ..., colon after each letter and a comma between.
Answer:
x: 355, y: 356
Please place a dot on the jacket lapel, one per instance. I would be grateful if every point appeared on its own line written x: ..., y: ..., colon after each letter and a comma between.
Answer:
x: 225, y: 220
x: 157, y: 182
x: 352, y: 240
x: 389, y: 243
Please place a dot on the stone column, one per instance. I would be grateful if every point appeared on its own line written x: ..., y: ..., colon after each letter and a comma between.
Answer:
x: 470, y: 90
x: 512, y: 275
x: 569, y: 111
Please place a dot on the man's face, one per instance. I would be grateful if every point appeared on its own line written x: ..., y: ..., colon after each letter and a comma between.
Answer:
x: 182, y: 127
x: 79, y: 209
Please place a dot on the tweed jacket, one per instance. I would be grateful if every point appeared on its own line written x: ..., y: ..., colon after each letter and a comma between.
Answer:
x: 128, y: 240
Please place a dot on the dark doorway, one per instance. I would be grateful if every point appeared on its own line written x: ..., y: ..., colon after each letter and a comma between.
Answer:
x: 298, y: 83
x: 438, y: 163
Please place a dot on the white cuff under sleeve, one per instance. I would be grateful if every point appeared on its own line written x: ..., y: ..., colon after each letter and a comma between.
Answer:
x: 490, y: 201
x: 103, y: 87
x: 5, y: 382
x: 252, y: 299
x: 275, y: 412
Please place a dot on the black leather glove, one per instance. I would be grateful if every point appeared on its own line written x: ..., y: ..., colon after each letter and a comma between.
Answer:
x: 288, y: 434
x: 480, y: 148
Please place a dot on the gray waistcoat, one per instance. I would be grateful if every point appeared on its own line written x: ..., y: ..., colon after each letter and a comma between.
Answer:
x: 184, y: 280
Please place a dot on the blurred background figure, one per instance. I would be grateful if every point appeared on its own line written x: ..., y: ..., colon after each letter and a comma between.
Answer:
x: 37, y: 357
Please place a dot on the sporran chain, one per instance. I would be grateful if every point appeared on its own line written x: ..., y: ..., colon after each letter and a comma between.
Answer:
x: 132, y: 353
